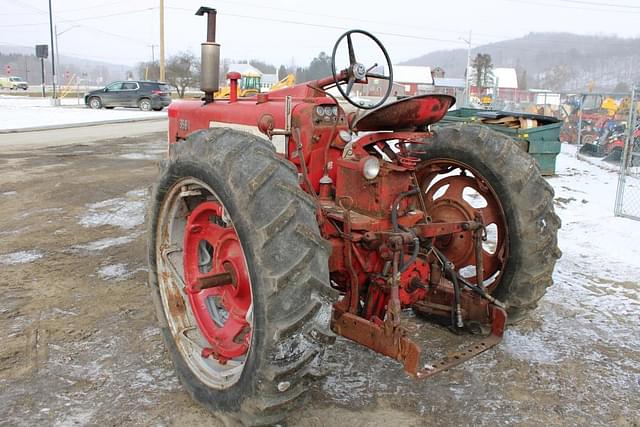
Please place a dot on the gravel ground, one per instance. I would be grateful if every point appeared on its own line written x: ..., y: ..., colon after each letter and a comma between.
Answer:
x: 80, y: 345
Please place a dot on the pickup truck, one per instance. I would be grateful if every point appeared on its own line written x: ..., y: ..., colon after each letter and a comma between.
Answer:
x: 13, y: 83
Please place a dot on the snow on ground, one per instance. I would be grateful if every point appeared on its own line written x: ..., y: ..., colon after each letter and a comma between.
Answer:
x: 107, y: 242
x: 20, y: 257
x: 115, y: 272
x: 125, y: 212
x: 17, y: 112
x: 591, y: 236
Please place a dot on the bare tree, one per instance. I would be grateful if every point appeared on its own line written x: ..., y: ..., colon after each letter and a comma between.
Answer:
x: 522, y: 80
x: 557, y: 77
x: 148, y: 70
x: 181, y: 71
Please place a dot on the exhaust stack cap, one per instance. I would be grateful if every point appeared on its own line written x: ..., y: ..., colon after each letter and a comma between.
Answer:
x: 211, y: 22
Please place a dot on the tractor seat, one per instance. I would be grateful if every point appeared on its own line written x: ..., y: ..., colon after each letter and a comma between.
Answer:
x: 407, y: 114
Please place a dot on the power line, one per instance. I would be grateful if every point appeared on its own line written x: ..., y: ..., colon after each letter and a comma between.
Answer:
x: 333, y: 27
x: 624, y: 6
x: 489, y: 38
x: 564, y: 6
x: 350, y: 19
x: 488, y: 45
x: 88, y: 18
x: 107, y: 3
x: 29, y: 6
x: 115, y: 35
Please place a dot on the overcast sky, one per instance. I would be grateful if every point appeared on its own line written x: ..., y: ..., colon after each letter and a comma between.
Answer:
x: 286, y: 32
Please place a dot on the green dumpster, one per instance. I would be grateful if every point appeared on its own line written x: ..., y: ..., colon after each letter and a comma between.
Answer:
x: 543, y: 141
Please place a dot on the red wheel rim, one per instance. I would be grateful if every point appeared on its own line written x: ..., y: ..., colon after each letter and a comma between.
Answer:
x: 452, y: 206
x: 212, y: 249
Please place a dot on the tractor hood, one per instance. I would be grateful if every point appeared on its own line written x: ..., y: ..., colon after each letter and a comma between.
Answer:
x: 407, y: 114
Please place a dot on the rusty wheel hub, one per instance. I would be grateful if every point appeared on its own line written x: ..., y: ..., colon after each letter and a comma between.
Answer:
x: 455, y: 192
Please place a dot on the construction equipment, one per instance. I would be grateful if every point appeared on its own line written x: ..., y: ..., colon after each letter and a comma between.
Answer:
x: 287, y: 81
x: 257, y: 257
x: 608, y: 144
x: 586, y: 111
x: 486, y: 100
x: 249, y: 85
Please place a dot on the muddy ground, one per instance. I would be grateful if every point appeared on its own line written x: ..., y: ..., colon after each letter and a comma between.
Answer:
x: 80, y: 345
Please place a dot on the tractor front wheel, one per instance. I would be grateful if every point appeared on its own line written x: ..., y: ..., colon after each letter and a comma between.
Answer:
x: 239, y: 275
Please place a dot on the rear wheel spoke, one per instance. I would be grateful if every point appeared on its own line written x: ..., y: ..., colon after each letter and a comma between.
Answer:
x: 188, y: 335
x: 456, y: 187
x: 166, y: 254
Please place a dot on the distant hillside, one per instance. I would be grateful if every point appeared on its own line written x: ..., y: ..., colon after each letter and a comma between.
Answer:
x: 558, y: 61
x: 25, y: 64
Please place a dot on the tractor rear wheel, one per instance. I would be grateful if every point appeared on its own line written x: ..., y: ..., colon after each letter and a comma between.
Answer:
x: 469, y: 171
x: 239, y: 276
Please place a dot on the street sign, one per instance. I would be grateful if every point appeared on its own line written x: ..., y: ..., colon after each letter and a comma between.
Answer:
x: 42, y: 51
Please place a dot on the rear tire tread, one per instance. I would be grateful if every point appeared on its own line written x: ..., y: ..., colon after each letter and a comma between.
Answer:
x: 522, y: 187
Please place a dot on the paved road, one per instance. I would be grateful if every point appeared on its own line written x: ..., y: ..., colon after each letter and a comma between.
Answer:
x: 78, y: 135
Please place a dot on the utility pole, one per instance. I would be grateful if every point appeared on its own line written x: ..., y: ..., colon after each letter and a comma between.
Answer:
x: 55, y: 31
x: 153, y: 63
x: 466, y: 71
x: 161, y: 40
x: 53, y: 60
x: 44, y: 94
x: 153, y: 52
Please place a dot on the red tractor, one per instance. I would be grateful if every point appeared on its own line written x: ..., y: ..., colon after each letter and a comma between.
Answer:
x: 258, y: 258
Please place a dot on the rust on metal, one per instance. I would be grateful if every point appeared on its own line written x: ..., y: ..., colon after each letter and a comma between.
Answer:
x: 499, y: 318
x: 394, y: 343
x: 406, y: 114
x: 213, y: 280
x: 391, y: 342
x: 451, y: 207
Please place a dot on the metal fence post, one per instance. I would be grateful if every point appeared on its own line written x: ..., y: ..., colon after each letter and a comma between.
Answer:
x: 628, y: 205
x: 579, y: 137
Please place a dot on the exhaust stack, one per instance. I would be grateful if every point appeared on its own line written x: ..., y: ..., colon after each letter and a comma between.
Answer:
x: 210, y: 57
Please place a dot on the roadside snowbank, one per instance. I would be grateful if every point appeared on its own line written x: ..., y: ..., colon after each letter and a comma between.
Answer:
x: 21, y: 112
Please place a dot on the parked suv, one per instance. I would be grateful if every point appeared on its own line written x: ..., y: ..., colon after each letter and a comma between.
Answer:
x: 142, y: 94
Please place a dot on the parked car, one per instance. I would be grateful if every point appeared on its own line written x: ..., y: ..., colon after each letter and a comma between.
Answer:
x: 145, y: 95
x: 13, y: 83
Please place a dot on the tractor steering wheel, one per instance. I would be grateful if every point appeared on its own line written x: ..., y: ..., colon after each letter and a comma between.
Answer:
x: 357, y: 72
